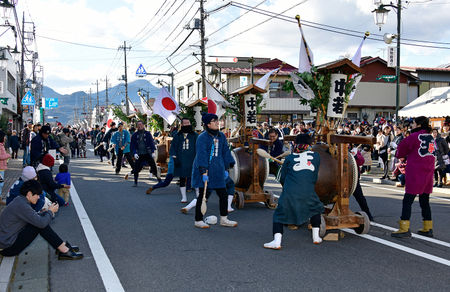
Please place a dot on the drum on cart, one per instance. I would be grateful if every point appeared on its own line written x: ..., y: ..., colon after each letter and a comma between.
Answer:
x: 242, y: 174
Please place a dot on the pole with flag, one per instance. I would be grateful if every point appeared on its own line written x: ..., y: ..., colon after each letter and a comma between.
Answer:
x: 357, y: 61
x: 306, y: 58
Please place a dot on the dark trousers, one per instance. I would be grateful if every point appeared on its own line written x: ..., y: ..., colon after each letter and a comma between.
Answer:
x: 26, y: 237
x: 140, y: 164
x: 314, y: 220
x: 384, y: 158
x: 424, y: 201
x: 359, y: 196
x: 439, y: 174
x: 164, y: 183
x: 127, y: 156
x: 223, y: 203
x: 183, y: 181
x: 14, y: 153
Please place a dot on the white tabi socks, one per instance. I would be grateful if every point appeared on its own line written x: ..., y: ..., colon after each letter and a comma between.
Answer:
x: 230, y: 200
x: 189, y: 206
x: 275, y: 243
x: 315, y: 235
x: 183, y: 194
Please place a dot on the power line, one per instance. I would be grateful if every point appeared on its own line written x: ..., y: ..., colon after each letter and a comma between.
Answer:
x: 289, y: 19
x: 311, y: 24
x: 256, y: 25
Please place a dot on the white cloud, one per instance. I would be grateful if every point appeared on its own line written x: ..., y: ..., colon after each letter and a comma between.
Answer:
x: 109, y: 23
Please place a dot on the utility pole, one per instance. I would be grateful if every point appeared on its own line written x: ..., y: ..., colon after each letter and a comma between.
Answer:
x: 106, y: 82
x: 97, y: 111
x: 124, y: 77
x: 202, y: 47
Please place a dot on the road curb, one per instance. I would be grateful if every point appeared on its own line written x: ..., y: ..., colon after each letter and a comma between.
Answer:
x: 378, y: 180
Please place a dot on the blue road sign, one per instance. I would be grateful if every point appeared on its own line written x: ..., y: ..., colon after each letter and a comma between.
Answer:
x: 50, y: 103
x: 140, y: 72
x: 28, y: 99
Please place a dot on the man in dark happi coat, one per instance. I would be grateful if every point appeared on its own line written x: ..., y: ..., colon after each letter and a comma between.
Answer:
x: 298, y: 202
x: 182, y: 151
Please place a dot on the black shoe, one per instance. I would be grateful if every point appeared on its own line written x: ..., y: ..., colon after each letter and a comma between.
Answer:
x: 71, y: 247
x: 70, y: 255
x: 428, y: 233
x: 135, y: 185
x: 440, y: 185
x: 435, y: 185
x: 383, y: 177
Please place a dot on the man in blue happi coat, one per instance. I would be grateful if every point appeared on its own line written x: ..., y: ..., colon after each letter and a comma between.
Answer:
x: 212, y: 161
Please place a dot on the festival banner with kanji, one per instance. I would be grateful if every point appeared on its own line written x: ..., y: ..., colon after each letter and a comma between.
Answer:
x: 336, y: 102
x: 250, y: 110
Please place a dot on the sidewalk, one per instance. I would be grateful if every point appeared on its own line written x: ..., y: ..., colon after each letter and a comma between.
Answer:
x: 376, y: 174
x: 29, y: 271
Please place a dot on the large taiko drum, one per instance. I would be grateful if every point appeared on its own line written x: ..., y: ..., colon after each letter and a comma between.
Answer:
x: 161, y: 153
x: 326, y: 186
x: 242, y: 172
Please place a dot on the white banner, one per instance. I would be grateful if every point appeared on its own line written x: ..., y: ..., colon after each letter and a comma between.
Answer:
x: 250, y: 110
x: 392, y: 56
x: 336, y: 102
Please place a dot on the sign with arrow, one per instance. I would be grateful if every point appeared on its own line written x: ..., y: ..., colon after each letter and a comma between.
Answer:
x: 50, y: 103
x: 28, y: 99
x: 140, y: 72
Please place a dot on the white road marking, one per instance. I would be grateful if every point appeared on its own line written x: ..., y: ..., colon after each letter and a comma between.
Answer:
x: 402, y: 248
x: 109, y: 277
x: 6, y: 269
x: 402, y: 192
x: 436, y: 241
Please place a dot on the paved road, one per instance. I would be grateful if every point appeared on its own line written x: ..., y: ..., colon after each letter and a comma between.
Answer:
x: 153, y: 247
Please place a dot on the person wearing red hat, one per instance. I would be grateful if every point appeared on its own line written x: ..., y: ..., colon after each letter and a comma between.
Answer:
x: 46, y: 179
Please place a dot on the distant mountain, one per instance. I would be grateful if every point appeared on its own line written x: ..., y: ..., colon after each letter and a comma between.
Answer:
x: 68, y: 102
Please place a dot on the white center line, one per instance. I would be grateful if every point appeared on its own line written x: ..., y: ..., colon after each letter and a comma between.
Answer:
x: 109, y: 277
x: 402, y: 248
x: 436, y: 241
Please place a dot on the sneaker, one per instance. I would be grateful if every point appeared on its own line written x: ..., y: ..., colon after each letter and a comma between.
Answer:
x: 224, y: 221
x: 201, y: 224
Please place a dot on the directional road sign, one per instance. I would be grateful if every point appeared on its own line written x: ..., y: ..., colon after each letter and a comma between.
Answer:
x: 50, y: 103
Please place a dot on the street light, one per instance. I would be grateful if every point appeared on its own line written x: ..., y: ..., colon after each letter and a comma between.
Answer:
x: 380, y: 18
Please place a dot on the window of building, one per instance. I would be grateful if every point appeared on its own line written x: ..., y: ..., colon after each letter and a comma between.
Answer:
x: 11, y: 84
x: 276, y: 90
x: 199, y: 89
x: 181, y: 93
x: 190, y: 90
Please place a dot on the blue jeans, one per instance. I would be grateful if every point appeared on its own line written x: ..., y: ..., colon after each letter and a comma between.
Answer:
x: 401, y: 179
x: 2, y: 174
x: 26, y: 156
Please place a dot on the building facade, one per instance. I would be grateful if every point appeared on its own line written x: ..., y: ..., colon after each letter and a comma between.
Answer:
x: 9, y: 89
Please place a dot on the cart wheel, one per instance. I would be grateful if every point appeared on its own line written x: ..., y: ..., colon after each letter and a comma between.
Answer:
x: 272, y: 202
x: 239, y: 200
x: 323, y: 227
x: 363, y: 228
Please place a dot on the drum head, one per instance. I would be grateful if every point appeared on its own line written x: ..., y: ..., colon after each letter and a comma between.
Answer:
x: 353, y: 172
x: 234, y: 171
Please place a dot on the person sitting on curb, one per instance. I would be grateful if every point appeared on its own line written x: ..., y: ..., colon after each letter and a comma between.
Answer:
x: 28, y: 173
x: 20, y: 224
x: 46, y: 179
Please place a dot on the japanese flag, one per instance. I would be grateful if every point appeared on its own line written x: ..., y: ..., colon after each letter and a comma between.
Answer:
x: 111, y: 118
x: 131, y: 106
x: 166, y: 106
x: 216, y: 102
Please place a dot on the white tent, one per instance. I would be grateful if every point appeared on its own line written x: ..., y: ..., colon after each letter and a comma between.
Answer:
x: 434, y: 103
